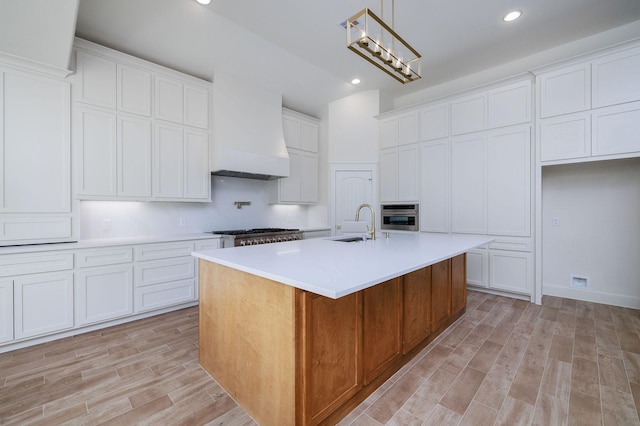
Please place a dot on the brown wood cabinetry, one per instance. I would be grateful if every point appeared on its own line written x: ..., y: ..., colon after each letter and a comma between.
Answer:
x: 330, y: 345
x: 416, y: 320
x: 382, y: 327
x: 458, y: 283
x: 290, y: 357
x: 440, y: 293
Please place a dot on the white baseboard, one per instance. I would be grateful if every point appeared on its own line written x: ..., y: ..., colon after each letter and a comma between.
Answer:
x: 591, y: 296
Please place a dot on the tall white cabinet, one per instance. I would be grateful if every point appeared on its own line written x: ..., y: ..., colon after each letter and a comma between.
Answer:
x: 301, y: 138
x: 468, y: 162
x: 141, y: 130
x: 35, y: 158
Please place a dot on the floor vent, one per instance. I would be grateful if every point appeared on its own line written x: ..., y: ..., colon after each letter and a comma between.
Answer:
x: 579, y: 281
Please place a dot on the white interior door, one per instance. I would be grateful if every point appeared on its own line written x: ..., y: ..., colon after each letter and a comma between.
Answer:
x: 352, y: 188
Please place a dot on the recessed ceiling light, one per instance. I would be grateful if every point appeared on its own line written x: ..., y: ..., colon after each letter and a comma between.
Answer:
x: 512, y: 16
x: 355, y: 81
x: 204, y: 1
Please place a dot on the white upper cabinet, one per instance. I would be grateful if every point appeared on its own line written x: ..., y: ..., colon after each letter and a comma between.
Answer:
x: 301, y: 137
x: 399, y: 168
x: 616, y: 78
x: 133, y: 120
x: 503, y: 106
x: 98, y: 80
x: 469, y: 114
x: 300, y: 132
x: 565, y: 137
x: 509, y: 105
x: 389, y: 132
x: 616, y: 130
x: 565, y: 90
x: 408, y: 128
x: 181, y: 103
x: 107, y: 83
x: 134, y: 90
x: 168, y: 99
x: 434, y: 122
x: 591, y: 110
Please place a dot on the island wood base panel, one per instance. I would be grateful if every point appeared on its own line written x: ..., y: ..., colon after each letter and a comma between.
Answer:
x: 291, y: 357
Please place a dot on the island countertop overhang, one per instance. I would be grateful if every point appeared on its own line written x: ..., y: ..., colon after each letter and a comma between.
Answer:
x: 335, y: 269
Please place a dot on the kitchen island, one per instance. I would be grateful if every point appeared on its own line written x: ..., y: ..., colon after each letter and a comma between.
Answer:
x: 302, y: 332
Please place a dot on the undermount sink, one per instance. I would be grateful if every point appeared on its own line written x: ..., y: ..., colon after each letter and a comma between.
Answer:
x: 349, y: 240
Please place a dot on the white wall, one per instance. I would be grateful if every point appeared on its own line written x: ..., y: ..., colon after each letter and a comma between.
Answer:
x: 353, y: 128
x: 598, y: 236
x: 133, y: 219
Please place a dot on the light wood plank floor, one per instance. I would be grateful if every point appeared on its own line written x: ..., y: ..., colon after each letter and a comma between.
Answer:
x: 505, y: 362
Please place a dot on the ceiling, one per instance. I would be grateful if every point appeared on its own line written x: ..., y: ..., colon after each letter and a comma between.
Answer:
x: 297, y: 46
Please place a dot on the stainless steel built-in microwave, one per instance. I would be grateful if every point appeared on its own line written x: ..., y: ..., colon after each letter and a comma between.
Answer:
x: 399, y: 217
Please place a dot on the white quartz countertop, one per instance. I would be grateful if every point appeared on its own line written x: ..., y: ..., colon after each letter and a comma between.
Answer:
x: 106, y: 242
x: 335, y: 269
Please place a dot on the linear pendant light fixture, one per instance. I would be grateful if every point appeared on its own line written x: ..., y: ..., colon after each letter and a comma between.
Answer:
x: 371, y: 38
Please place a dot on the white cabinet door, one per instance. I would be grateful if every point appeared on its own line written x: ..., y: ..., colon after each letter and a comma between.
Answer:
x: 408, y: 128
x: 158, y: 296
x: 6, y: 310
x: 565, y: 90
x: 509, y: 105
x: 134, y: 90
x: 469, y: 184
x: 98, y: 80
x: 434, y: 122
x: 134, y: 157
x: 168, y: 161
x: 308, y: 178
x: 565, y: 137
x: 291, y: 129
x: 478, y: 267
x: 434, y: 186
x: 197, y: 179
x: 43, y: 303
x: 308, y: 136
x: 196, y: 106
x: 96, y: 150
x: 616, y: 130
x: 509, y: 181
x: 168, y: 99
x: 289, y: 187
x: 469, y: 114
x: 408, y: 176
x: 104, y: 293
x: 35, y: 154
x: 389, y: 174
x: 511, y: 271
x: 615, y: 78
x: 389, y: 132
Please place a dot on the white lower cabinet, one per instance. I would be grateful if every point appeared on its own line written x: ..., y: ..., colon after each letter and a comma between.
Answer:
x: 6, y: 310
x: 502, y: 270
x: 166, y: 280
x: 43, y: 303
x: 104, y: 293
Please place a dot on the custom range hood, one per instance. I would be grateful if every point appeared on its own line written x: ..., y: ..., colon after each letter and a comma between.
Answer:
x: 248, y: 140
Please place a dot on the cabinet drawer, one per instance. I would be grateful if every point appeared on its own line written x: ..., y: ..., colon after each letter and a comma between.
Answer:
x: 515, y: 244
x: 155, y: 272
x: 163, y: 251
x: 208, y: 245
x: 23, y: 264
x: 166, y: 294
x: 102, y: 257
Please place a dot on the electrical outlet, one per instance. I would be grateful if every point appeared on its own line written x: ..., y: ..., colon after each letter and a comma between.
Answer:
x: 555, y: 221
x: 106, y: 224
x: 183, y: 222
